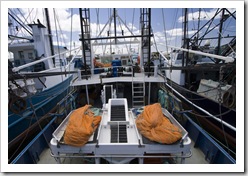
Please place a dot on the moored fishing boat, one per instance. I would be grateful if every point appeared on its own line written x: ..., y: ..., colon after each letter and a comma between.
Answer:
x: 120, y: 95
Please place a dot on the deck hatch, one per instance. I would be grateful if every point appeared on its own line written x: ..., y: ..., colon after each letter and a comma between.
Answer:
x: 118, y: 113
x: 118, y: 133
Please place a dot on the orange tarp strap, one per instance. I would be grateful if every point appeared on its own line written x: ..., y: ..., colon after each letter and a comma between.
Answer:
x: 82, y: 123
x: 153, y: 125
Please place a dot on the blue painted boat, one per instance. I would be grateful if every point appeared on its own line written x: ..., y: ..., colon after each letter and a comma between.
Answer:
x: 35, y: 102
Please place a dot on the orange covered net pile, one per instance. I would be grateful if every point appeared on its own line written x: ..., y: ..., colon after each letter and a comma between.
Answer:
x: 153, y: 125
x: 101, y: 65
x: 81, y: 125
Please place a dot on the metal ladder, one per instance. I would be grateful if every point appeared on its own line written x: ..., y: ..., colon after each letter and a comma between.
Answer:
x: 85, y: 34
x: 138, y: 94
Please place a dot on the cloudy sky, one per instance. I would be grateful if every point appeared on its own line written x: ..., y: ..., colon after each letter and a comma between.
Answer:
x: 67, y: 25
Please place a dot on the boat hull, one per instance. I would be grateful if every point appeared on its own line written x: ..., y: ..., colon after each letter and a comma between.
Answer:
x: 24, y: 127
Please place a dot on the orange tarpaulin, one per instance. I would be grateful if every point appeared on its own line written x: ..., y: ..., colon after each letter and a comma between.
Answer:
x: 101, y: 65
x: 153, y: 125
x: 82, y: 123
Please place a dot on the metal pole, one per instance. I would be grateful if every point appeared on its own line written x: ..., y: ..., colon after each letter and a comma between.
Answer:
x: 149, y: 41
x: 50, y: 34
x: 227, y: 59
x: 149, y: 93
x: 115, y: 24
x: 83, y: 42
x: 87, y: 94
x: 220, y: 31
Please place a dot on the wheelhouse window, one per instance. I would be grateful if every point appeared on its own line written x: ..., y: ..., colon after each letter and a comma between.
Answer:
x: 30, y: 56
x: 21, y: 54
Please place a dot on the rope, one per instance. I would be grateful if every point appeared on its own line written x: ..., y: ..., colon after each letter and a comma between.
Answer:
x: 10, y: 158
x: 220, y: 100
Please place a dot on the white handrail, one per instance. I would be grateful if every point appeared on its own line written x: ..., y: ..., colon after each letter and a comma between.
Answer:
x: 228, y: 59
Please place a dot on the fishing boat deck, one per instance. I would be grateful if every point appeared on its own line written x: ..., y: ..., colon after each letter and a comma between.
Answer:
x: 118, y: 140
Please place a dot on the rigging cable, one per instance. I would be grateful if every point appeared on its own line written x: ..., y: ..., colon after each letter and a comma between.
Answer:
x: 193, y: 19
x: 220, y: 100
x: 132, y: 26
x: 174, y: 27
x: 57, y: 41
x: 207, y: 26
x: 98, y: 29
x: 36, y: 14
x: 20, y: 24
x: 166, y: 42
x: 173, y: 96
x: 124, y: 38
x: 20, y: 144
x: 60, y: 30
x: 221, y: 34
x: 70, y: 55
x: 25, y: 19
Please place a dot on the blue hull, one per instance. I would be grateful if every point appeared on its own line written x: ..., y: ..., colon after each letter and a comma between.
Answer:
x: 26, y: 128
x: 42, y: 103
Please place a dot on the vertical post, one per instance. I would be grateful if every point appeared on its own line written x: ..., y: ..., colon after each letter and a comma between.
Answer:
x: 183, y: 159
x: 50, y: 34
x: 142, y: 37
x: 198, y: 26
x: 82, y: 39
x: 141, y: 160
x: 87, y: 93
x: 184, y: 34
x: 149, y: 93
x: 220, y: 31
x: 149, y: 40
x: 114, y: 13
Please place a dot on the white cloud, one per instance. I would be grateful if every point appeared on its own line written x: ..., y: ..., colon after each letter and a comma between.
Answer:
x: 204, y: 15
x: 178, y: 32
x: 67, y: 17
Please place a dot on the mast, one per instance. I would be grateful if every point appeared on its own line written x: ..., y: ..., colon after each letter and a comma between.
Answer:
x: 50, y: 34
x: 149, y: 40
x: 218, y: 51
x: 198, y: 26
x: 85, y: 34
x: 145, y: 23
x: 115, y: 23
x: 185, y: 28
